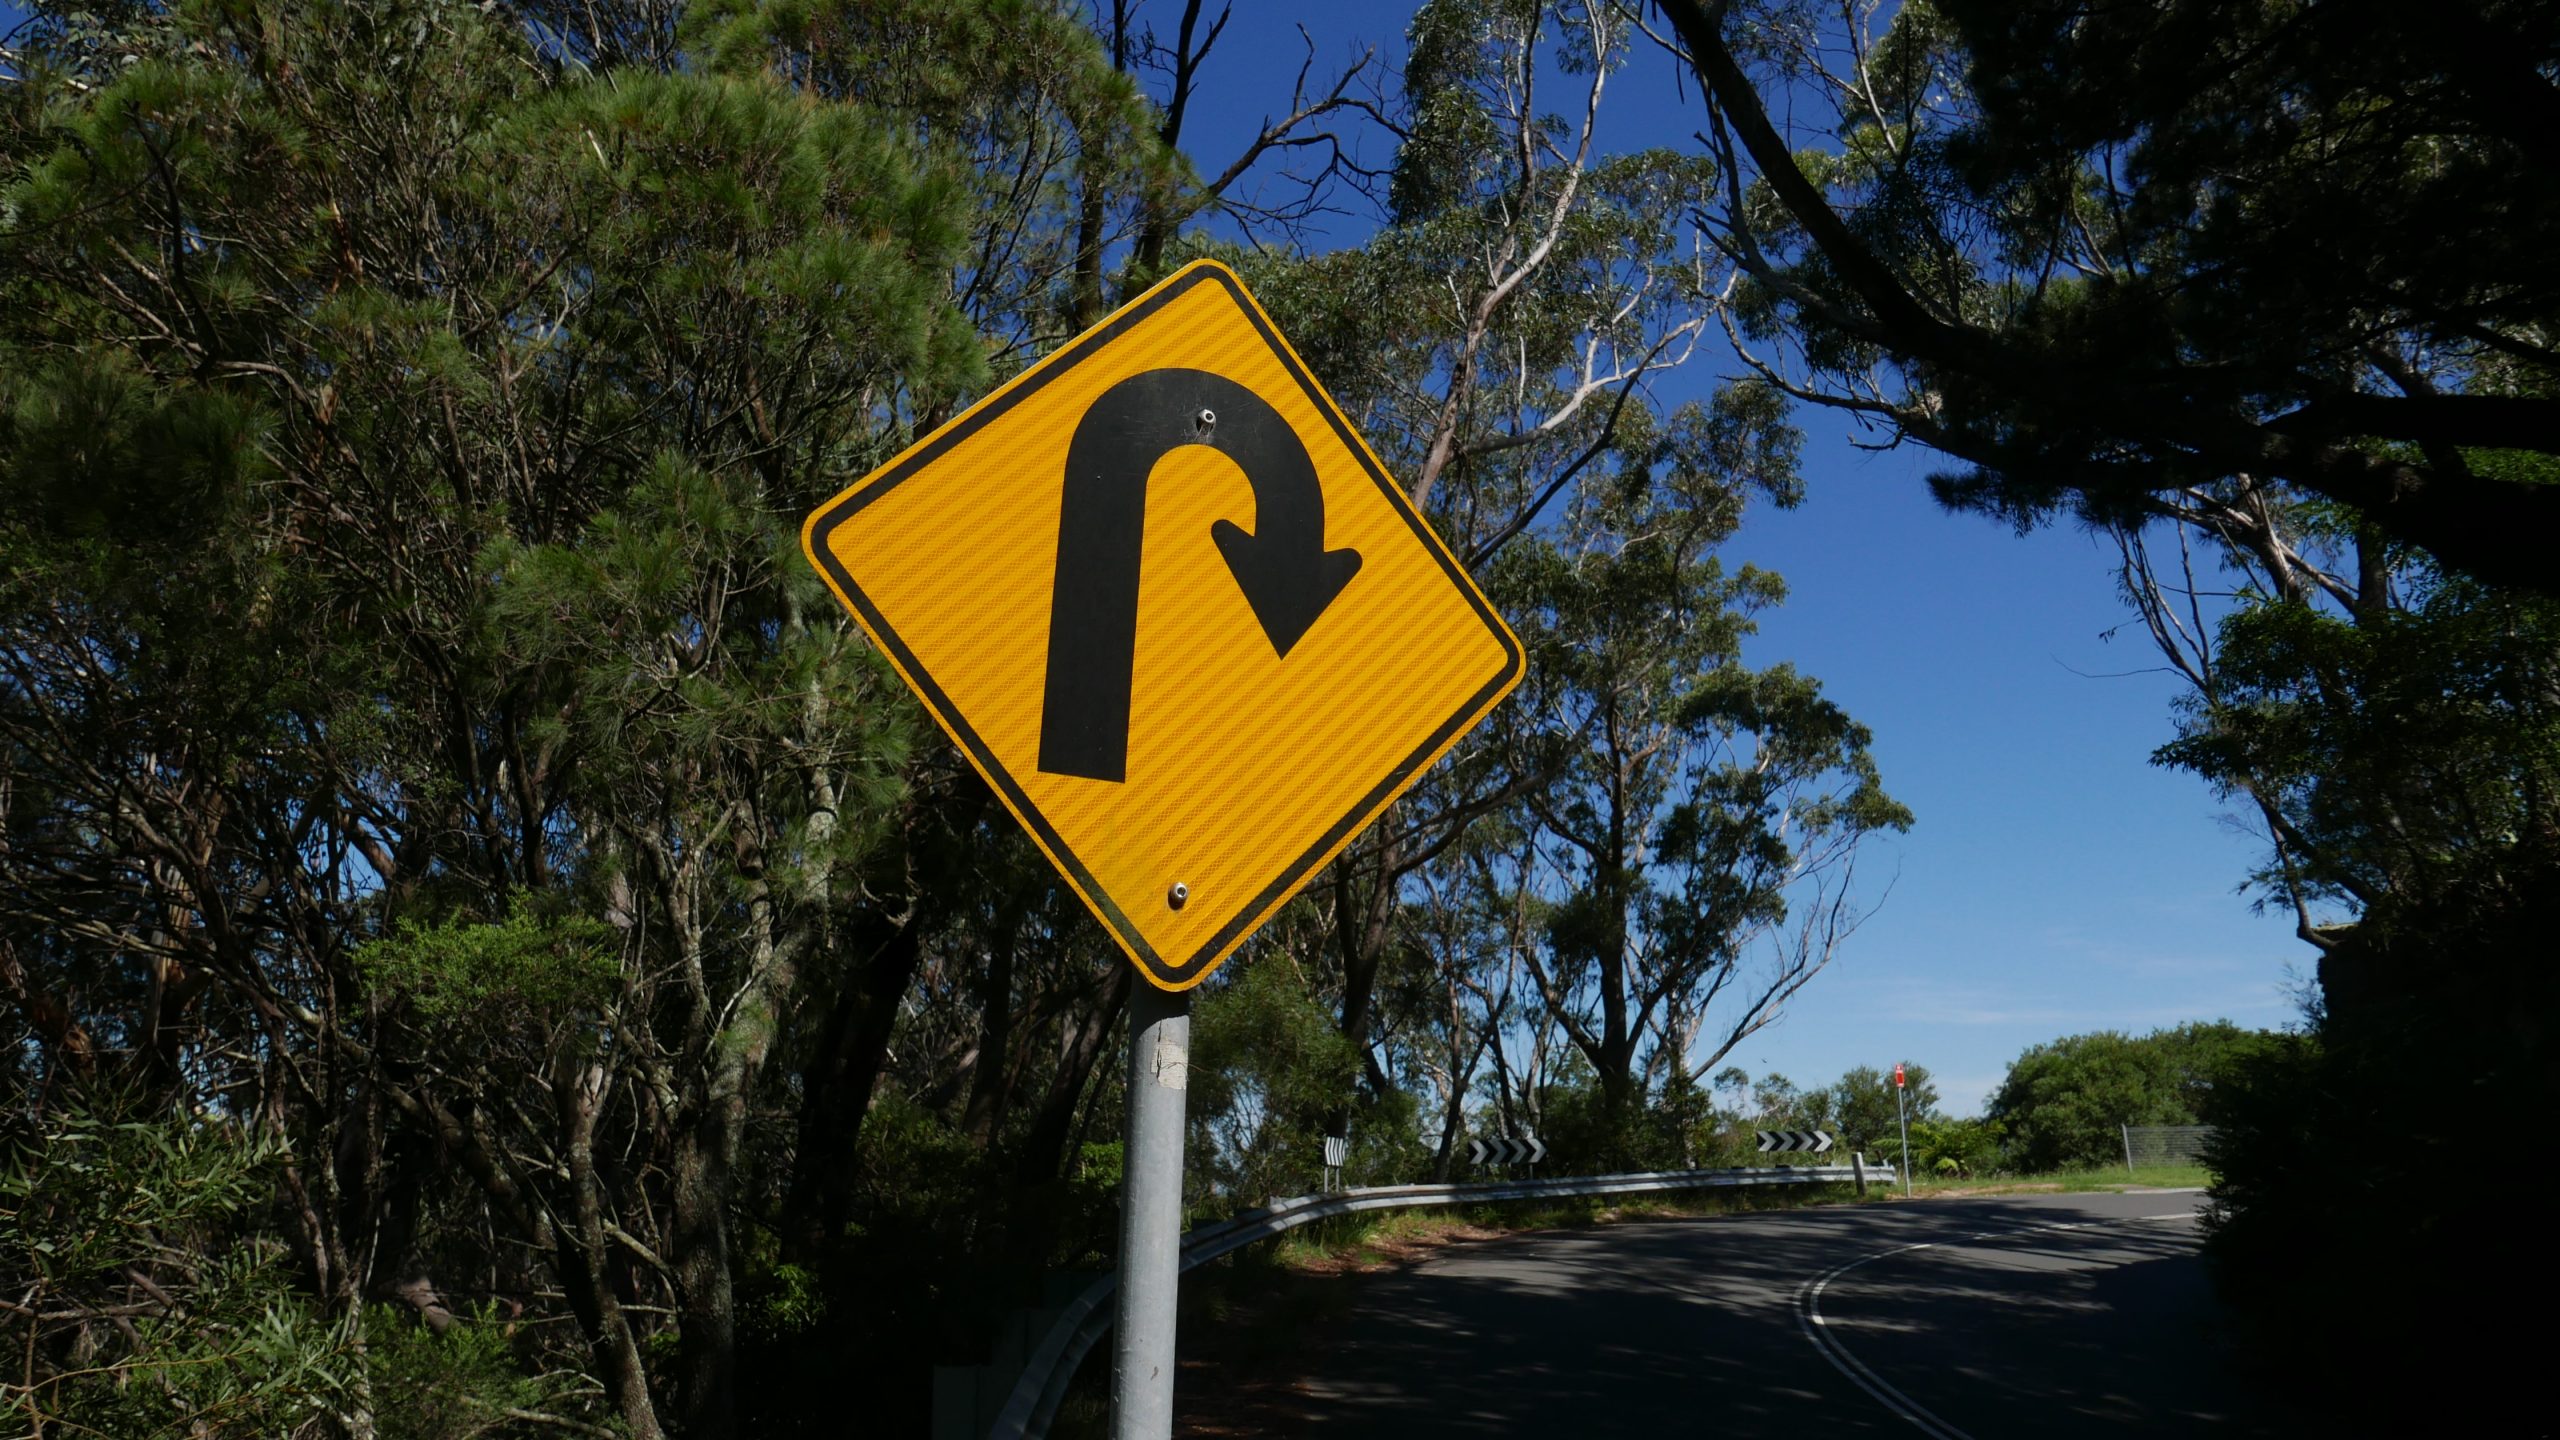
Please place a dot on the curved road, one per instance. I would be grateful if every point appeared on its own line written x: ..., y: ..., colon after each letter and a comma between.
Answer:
x: 2031, y: 1315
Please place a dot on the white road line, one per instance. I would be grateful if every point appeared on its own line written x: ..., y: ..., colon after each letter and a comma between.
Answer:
x: 1816, y: 1329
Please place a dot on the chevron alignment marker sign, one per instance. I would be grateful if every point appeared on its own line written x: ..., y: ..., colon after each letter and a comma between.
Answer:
x: 1496, y: 1150
x: 1786, y: 1141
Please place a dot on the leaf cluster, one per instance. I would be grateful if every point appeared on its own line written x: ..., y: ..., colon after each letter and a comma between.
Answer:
x: 2062, y: 1103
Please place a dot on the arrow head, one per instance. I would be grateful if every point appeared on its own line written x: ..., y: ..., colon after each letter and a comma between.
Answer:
x: 1288, y: 585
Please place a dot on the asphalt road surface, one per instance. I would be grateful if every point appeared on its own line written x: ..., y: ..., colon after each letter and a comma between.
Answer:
x: 1977, y: 1319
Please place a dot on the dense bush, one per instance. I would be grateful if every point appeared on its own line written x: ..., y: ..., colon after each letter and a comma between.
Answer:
x: 146, y: 1246
x: 2352, y: 1223
x: 2062, y: 1103
x: 1958, y: 1149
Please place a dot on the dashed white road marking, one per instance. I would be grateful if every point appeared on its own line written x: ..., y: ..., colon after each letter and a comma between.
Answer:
x: 1816, y: 1329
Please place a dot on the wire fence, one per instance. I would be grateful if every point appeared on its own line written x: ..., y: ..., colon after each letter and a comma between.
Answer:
x: 2146, y: 1145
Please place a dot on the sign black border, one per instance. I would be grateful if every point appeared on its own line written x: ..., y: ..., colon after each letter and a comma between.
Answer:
x: 1191, y: 970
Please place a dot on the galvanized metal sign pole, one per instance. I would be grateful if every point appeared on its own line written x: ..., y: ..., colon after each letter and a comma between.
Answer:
x: 1151, y: 1214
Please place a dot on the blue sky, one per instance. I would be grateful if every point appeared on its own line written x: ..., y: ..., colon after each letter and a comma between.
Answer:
x: 2056, y: 881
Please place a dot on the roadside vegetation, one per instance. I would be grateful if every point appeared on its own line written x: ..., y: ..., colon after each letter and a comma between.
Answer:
x: 1360, y: 1242
x: 2094, y: 1180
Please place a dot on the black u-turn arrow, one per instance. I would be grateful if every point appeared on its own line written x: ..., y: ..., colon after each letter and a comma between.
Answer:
x: 1282, y: 567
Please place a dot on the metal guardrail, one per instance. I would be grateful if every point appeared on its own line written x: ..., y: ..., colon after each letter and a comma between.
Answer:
x: 1053, y: 1360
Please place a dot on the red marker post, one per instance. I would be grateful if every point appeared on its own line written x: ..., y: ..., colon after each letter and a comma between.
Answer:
x: 1904, y: 1116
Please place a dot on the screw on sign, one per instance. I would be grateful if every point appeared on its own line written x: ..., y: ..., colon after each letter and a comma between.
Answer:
x: 1190, y: 717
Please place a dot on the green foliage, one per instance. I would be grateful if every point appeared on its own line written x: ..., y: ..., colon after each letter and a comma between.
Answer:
x: 2352, y: 1141
x: 1956, y: 1148
x: 2104, y: 258
x: 467, y: 1383
x: 1863, y: 1108
x: 95, y: 1190
x: 782, y: 1301
x: 524, y: 963
x: 248, y: 1356
x: 155, y: 1218
x: 1269, y: 1070
x: 1099, y: 1165
x: 2062, y: 1103
x: 2405, y: 748
x: 406, y: 414
x: 1689, y: 800
x: 1587, y: 1133
x: 2265, y: 281
x: 169, y: 1305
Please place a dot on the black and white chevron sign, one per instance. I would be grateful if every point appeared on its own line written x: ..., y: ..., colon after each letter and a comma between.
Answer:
x: 1497, y: 1150
x: 1791, y: 1140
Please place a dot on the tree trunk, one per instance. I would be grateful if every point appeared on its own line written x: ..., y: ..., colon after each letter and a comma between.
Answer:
x: 705, y: 1161
x: 990, y: 1079
x: 836, y: 1089
x: 1360, y: 933
x: 1043, y: 1154
x: 705, y: 1306
x: 587, y: 1276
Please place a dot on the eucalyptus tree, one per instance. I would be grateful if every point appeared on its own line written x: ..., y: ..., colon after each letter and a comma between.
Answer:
x: 1470, y: 936
x: 1869, y: 1113
x: 1695, y: 845
x: 1495, y: 341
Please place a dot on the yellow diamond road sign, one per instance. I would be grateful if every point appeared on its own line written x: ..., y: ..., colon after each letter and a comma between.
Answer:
x: 1175, y: 612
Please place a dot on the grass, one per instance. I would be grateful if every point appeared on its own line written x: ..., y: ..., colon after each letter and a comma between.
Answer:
x: 1387, y: 1237
x: 2110, y: 1177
